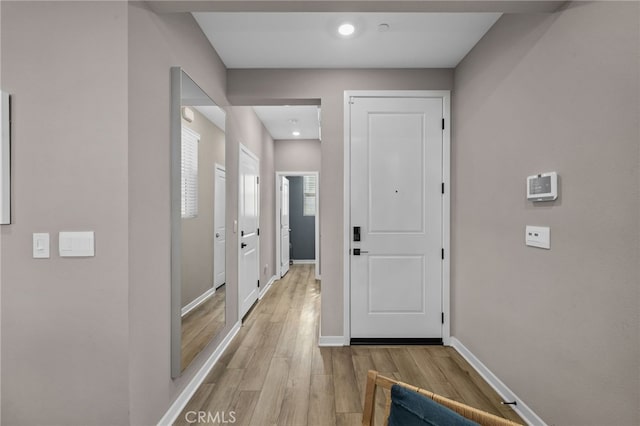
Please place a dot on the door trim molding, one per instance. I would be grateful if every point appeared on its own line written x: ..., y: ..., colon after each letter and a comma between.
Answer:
x: 242, y: 148
x: 279, y: 174
x: 219, y: 167
x: 445, y: 95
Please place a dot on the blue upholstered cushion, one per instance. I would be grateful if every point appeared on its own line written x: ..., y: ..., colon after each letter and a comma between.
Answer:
x: 409, y: 408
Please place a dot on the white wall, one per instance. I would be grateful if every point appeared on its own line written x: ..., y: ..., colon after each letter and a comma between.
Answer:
x: 552, y: 93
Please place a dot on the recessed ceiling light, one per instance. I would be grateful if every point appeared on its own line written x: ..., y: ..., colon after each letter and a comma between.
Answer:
x: 346, y: 29
x: 295, y: 133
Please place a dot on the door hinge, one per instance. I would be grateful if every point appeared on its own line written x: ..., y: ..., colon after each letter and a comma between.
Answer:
x: 443, y: 317
x: 258, y: 231
x: 443, y: 187
x: 242, y: 233
x: 443, y: 124
x: 258, y: 180
x: 442, y: 254
x: 258, y: 283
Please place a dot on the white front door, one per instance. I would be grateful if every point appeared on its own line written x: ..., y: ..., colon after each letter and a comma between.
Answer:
x: 396, y: 204
x: 219, y: 244
x: 248, y: 222
x: 284, y: 226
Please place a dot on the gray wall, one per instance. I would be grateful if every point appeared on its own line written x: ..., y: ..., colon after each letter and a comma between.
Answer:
x: 198, y: 233
x: 65, y: 321
x: 251, y: 133
x: 157, y: 42
x: 262, y: 87
x: 91, y: 152
x: 552, y: 93
x: 303, y: 234
x: 302, y: 155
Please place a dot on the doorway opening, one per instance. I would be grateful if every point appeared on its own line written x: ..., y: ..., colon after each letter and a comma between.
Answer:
x: 297, y: 220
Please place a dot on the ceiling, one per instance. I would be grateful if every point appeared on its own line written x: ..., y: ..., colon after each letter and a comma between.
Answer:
x: 281, y: 121
x: 311, y: 40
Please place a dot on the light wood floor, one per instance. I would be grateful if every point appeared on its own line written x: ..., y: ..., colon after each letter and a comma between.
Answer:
x: 274, y: 373
x: 201, y: 324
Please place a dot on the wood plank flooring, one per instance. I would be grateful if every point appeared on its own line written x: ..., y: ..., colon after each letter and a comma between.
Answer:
x: 201, y: 324
x: 274, y: 373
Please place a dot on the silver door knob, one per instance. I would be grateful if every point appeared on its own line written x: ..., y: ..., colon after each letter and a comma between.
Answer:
x: 217, y: 235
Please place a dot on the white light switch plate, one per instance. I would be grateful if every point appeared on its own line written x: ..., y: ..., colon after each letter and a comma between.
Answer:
x: 538, y: 236
x: 76, y: 244
x: 41, y: 245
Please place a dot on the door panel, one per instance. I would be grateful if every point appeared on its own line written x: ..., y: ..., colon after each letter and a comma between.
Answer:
x: 284, y: 227
x: 399, y: 157
x: 219, y: 256
x: 396, y: 200
x: 248, y: 222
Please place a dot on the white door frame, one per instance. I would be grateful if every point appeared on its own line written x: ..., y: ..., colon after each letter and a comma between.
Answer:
x: 222, y: 168
x: 250, y: 153
x: 445, y: 95
x: 279, y: 174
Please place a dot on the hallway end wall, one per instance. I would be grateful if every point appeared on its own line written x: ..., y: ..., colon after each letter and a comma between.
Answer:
x: 543, y: 93
x: 262, y: 86
x: 303, y: 155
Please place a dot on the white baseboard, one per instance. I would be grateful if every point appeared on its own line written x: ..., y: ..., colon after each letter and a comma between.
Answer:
x: 331, y: 341
x: 505, y: 393
x: 198, y: 301
x: 304, y: 262
x: 267, y: 287
x: 181, y: 401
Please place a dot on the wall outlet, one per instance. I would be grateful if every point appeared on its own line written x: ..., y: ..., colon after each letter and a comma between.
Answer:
x: 538, y: 236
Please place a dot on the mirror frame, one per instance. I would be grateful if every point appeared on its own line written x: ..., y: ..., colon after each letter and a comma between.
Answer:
x: 176, y: 225
x: 178, y: 81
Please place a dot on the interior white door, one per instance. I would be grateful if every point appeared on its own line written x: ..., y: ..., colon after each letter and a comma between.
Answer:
x: 396, y: 201
x: 248, y: 222
x: 284, y: 227
x: 219, y: 244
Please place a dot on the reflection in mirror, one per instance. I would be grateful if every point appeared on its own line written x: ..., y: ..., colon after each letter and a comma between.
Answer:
x: 198, y: 218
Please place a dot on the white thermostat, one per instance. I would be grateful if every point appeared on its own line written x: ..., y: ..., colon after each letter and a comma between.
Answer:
x: 542, y: 187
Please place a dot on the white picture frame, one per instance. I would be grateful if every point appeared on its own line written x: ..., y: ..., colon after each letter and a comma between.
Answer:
x: 5, y: 159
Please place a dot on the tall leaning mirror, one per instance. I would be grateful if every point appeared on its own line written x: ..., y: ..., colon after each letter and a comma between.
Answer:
x: 197, y: 220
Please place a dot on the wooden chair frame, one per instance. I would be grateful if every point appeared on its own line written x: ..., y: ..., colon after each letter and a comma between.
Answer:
x: 375, y: 380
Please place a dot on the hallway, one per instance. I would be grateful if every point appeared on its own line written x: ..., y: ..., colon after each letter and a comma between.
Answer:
x: 273, y: 373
